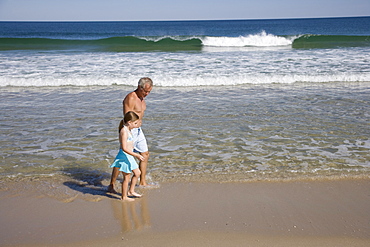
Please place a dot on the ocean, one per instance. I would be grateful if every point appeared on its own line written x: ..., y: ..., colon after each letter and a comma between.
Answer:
x: 233, y: 101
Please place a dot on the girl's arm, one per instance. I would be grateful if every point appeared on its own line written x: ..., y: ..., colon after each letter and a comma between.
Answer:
x: 124, y: 145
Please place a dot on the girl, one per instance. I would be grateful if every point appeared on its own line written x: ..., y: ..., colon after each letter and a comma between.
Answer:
x: 125, y: 158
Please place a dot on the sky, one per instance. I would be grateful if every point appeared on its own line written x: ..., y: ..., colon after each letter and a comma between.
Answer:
x: 148, y: 10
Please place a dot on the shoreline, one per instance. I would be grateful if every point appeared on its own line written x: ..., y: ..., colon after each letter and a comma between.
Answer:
x: 298, y: 213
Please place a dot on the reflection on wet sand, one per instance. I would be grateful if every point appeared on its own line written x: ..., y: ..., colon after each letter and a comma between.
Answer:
x: 133, y: 216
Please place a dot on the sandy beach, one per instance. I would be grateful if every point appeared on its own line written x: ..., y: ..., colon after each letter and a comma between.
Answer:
x: 298, y: 213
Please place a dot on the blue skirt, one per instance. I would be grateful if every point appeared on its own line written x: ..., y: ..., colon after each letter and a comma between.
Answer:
x: 125, y: 162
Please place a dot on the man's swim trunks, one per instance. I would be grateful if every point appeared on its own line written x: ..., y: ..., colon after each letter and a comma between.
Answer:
x: 140, y: 144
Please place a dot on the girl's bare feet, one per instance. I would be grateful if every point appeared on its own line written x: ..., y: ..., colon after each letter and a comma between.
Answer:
x: 134, y: 194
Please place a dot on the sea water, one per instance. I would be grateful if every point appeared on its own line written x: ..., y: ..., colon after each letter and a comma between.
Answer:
x: 239, y: 100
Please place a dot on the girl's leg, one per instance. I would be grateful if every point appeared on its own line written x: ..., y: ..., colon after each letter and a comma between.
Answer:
x: 126, y: 179
x: 134, y: 180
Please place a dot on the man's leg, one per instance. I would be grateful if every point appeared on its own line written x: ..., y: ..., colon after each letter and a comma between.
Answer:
x: 142, y: 166
x: 113, y: 178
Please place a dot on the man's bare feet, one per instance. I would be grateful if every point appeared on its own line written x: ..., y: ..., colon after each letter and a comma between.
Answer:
x: 111, y: 189
x: 127, y: 199
x: 134, y: 194
x: 148, y: 186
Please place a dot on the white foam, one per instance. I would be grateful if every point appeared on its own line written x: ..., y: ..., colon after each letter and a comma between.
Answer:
x: 256, y: 79
x: 189, y: 81
x: 254, y: 66
x: 259, y: 40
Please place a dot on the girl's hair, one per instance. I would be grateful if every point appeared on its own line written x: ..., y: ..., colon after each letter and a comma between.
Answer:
x: 129, y: 116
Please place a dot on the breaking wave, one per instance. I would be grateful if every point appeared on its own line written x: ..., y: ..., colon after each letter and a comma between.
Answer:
x: 183, y: 43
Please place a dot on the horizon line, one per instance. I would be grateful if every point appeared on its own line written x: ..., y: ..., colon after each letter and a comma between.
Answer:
x: 156, y: 20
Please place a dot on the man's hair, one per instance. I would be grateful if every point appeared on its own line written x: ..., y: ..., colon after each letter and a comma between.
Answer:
x: 145, y: 80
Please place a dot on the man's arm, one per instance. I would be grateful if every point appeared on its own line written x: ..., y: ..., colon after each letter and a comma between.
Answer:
x: 129, y: 103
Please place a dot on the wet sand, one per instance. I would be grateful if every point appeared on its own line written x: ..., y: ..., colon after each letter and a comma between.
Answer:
x: 300, y: 213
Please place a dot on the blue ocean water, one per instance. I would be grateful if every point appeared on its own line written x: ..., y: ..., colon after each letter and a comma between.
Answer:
x: 203, y: 52
x: 218, y: 28
x: 233, y: 100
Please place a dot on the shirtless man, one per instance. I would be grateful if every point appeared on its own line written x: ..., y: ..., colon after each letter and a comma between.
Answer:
x: 135, y: 102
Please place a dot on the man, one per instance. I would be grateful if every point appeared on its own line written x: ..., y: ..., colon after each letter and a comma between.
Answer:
x: 135, y: 102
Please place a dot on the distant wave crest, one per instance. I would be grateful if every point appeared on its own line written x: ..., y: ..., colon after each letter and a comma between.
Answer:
x: 183, y: 43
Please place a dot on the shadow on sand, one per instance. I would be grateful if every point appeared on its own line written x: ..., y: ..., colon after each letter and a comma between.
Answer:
x: 88, y: 181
